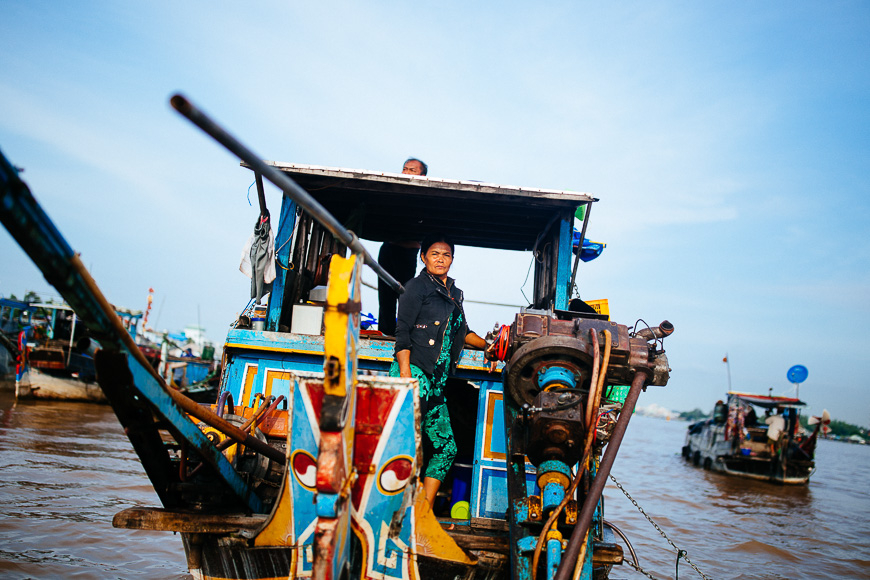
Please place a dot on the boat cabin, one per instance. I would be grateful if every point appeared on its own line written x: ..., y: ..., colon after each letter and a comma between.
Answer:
x: 395, y: 207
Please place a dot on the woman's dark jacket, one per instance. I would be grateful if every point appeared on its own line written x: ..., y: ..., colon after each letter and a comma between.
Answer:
x: 424, y: 309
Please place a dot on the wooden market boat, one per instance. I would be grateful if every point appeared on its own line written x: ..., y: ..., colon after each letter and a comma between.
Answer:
x: 14, y: 316
x: 56, y: 357
x: 53, y: 352
x: 50, y: 355
x: 757, y: 437
x: 308, y: 464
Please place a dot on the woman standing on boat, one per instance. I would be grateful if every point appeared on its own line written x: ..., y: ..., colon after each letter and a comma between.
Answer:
x: 431, y: 332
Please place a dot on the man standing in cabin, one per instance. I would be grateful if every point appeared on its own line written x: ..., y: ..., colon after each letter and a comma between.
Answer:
x: 414, y: 166
x: 399, y: 259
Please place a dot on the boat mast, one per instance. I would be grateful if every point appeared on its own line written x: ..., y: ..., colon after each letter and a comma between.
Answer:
x: 728, y: 366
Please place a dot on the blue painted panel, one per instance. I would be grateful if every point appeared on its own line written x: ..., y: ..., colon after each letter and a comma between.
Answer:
x: 493, y: 492
x: 304, y: 445
x: 373, y: 353
x: 497, y: 435
x: 268, y: 365
x: 196, y: 372
x: 282, y: 254
x: 489, y: 474
x: 382, y: 495
x: 563, y: 265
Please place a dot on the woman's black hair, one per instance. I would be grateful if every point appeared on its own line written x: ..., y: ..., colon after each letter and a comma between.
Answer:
x: 430, y: 239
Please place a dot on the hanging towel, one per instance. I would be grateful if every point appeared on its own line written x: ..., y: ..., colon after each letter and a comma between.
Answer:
x: 258, y: 258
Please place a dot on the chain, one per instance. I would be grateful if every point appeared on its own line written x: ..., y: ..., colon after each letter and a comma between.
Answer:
x: 680, y: 553
x: 639, y: 569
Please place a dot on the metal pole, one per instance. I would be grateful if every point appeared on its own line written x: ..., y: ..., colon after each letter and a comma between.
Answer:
x: 72, y: 334
x: 290, y: 188
x: 579, y: 248
x: 728, y: 367
x: 261, y: 194
x: 569, y: 559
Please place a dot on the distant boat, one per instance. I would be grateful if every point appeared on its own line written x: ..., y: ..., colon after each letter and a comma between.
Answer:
x: 50, y: 355
x: 56, y: 357
x: 739, y: 441
x: 14, y: 315
x: 198, y: 377
x: 53, y: 352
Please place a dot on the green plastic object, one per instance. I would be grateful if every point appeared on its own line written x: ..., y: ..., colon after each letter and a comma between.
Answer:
x: 461, y: 510
x: 617, y: 393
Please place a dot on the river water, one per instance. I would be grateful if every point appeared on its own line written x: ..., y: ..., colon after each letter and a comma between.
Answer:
x: 67, y: 468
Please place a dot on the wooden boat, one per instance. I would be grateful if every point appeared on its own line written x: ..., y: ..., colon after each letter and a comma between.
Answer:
x: 308, y: 464
x: 14, y: 316
x: 755, y: 436
x: 54, y: 359
x: 57, y: 361
x: 55, y: 354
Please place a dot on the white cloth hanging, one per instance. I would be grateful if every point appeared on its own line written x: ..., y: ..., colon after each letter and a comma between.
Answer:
x: 258, y: 259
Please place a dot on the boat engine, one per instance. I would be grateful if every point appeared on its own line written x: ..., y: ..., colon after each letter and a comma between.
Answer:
x: 561, y: 407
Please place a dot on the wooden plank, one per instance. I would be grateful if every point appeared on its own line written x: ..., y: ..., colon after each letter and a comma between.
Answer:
x: 479, y: 542
x: 606, y: 553
x: 489, y: 524
x: 158, y: 519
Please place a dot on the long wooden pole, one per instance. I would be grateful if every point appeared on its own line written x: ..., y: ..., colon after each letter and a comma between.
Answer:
x: 187, y: 405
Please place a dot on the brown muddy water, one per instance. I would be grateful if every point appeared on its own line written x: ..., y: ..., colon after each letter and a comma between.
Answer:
x: 67, y: 468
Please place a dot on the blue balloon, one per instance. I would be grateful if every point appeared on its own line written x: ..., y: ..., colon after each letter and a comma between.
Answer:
x: 797, y: 374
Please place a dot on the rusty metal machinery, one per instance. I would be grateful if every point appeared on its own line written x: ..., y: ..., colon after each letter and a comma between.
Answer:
x: 558, y: 419
x: 537, y: 340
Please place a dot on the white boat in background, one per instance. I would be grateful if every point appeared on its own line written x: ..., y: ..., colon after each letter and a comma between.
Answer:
x: 36, y: 384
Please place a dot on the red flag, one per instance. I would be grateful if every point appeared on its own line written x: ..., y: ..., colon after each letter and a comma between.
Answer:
x: 725, y: 359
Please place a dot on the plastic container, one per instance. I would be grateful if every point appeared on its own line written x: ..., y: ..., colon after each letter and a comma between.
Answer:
x: 600, y: 306
x: 461, y: 510
x: 307, y: 319
x: 258, y: 317
x: 461, y: 483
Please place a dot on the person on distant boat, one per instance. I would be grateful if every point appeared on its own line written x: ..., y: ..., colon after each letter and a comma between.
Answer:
x: 399, y: 259
x: 430, y: 335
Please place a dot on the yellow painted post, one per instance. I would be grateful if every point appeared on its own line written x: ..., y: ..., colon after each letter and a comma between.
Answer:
x: 341, y: 324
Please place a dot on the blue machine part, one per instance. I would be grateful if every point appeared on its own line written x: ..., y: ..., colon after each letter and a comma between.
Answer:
x: 556, y: 374
x: 554, y: 557
x: 553, y: 493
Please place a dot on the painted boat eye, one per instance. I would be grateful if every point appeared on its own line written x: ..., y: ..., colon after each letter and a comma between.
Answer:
x: 304, y: 469
x: 395, y: 474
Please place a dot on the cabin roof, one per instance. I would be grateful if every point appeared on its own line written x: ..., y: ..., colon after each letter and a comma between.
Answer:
x: 15, y: 304
x: 766, y: 401
x: 384, y: 206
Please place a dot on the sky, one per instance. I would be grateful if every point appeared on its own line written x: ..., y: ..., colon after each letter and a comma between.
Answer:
x: 728, y: 144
